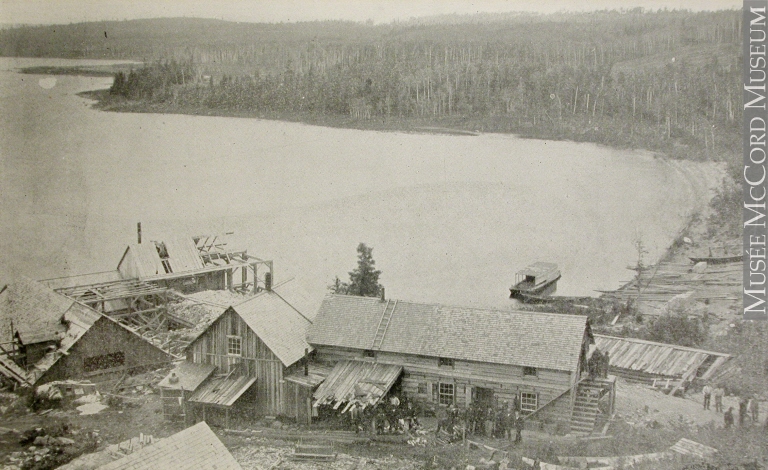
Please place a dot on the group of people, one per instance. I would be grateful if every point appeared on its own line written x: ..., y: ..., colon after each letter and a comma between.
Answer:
x: 391, y: 416
x: 598, y: 363
x: 481, y: 419
x: 749, y: 407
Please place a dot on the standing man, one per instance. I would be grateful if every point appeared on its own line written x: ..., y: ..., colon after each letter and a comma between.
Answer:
x: 728, y: 418
x: 442, y: 419
x: 490, y: 429
x: 742, y: 410
x: 518, y: 427
x: 719, y: 392
x: 500, y: 421
x: 707, y: 390
x: 509, y: 421
x: 754, y: 408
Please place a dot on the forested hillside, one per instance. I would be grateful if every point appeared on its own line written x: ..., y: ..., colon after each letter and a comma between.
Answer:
x: 666, y: 81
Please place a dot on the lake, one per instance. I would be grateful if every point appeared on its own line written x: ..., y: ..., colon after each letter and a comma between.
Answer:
x: 450, y: 217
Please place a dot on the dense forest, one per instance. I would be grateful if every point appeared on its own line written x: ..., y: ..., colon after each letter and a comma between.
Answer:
x: 662, y: 80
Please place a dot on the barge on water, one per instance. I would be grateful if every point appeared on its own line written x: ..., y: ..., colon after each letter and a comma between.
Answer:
x: 537, y: 280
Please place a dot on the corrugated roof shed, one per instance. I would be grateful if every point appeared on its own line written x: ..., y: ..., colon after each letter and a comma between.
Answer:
x: 657, y: 358
x: 34, y: 310
x: 357, y: 383
x: 222, y: 391
x: 196, y: 447
x: 278, y: 323
x: 544, y: 340
x: 190, y: 375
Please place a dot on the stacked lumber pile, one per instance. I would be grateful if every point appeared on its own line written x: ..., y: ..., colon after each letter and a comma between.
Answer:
x: 655, y: 286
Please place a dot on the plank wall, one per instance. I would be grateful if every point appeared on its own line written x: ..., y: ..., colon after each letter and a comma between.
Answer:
x: 506, y: 381
x: 257, y: 360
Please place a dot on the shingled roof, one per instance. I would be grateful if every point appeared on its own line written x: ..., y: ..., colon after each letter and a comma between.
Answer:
x: 277, y: 322
x: 543, y: 340
x: 35, y: 310
x: 195, y: 447
x: 279, y: 318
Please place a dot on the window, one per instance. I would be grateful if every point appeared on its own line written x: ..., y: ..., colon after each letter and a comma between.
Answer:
x: 167, y: 266
x: 234, y: 346
x: 529, y: 402
x: 445, y: 394
x: 106, y: 361
x: 444, y: 361
x: 369, y: 353
x: 422, y: 388
x: 530, y: 371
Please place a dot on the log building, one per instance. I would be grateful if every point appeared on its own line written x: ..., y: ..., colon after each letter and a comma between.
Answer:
x: 456, y: 355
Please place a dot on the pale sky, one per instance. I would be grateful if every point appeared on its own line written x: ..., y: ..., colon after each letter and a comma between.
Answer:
x: 72, y: 11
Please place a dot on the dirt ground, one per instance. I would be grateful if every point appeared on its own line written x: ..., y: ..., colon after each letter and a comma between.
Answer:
x: 639, y: 405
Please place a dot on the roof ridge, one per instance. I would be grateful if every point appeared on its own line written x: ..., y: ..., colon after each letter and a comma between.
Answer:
x: 439, y: 306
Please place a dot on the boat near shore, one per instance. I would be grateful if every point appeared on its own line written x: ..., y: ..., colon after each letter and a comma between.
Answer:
x: 535, y: 281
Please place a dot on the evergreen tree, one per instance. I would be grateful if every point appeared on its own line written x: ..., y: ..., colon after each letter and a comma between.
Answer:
x: 364, y: 280
x: 118, y: 85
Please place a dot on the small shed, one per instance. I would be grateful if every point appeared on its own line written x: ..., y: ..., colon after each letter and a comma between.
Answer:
x: 178, y: 386
x: 643, y: 361
x: 216, y: 398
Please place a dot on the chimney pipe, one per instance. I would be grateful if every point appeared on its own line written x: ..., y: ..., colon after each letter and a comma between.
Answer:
x: 383, y: 297
x: 138, y: 229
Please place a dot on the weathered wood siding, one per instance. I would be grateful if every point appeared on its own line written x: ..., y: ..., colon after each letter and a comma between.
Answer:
x: 215, y: 280
x: 298, y: 403
x: 257, y: 360
x: 506, y: 381
x: 103, y: 338
x: 127, y: 266
x: 553, y: 417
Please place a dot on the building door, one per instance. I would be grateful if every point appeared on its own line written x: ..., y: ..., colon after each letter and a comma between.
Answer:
x: 484, y: 396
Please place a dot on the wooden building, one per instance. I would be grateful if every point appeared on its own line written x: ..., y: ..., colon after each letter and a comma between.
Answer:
x: 194, y: 264
x: 667, y: 366
x: 77, y: 341
x: 178, y: 386
x: 262, y: 338
x: 195, y: 447
x: 456, y: 355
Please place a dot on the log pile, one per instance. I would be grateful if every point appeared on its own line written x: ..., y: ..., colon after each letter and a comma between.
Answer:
x: 656, y: 285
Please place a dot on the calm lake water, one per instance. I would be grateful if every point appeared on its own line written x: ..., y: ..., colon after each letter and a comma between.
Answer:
x: 451, y: 218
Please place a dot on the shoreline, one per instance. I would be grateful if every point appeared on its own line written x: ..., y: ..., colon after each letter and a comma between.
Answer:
x: 677, y: 251
x: 458, y: 126
x: 603, y: 131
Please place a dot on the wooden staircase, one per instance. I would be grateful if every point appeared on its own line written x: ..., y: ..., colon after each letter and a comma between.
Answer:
x: 386, y: 315
x: 585, y: 409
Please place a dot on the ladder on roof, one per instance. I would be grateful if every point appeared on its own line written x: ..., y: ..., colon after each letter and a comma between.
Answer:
x: 386, y: 315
